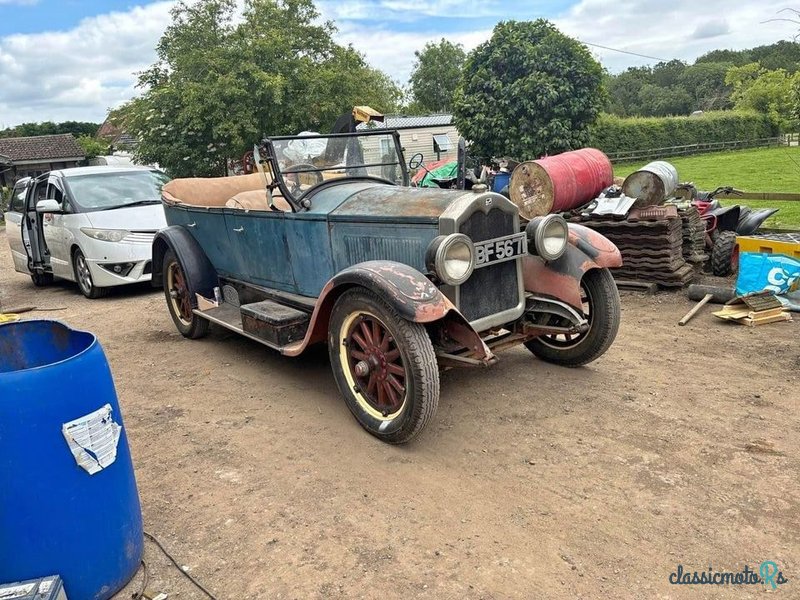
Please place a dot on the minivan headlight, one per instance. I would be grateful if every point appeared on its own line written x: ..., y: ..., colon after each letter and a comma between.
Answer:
x: 547, y: 236
x: 106, y: 235
x: 452, y: 258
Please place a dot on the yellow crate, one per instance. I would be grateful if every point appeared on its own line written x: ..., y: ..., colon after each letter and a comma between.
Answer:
x: 771, y: 243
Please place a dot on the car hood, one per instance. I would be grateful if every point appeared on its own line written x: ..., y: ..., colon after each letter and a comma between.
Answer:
x: 389, y: 202
x: 149, y: 217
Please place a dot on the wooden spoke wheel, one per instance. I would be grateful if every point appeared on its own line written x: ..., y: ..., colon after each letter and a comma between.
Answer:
x: 385, y: 366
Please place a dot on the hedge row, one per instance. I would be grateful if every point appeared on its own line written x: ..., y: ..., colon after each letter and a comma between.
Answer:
x: 614, y: 134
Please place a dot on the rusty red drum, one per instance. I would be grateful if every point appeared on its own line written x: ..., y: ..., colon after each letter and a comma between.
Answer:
x: 559, y: 183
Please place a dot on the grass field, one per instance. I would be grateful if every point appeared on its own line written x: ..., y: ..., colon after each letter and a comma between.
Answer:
x: 757, y: 170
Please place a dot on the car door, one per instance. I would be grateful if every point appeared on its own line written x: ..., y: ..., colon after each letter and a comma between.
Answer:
x: 55, y: 230
x: 259, y: 242
x: 14, y: 230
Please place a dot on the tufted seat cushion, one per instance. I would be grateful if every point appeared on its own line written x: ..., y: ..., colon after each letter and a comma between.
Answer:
x: 257, y: 200
x: 239, y: 191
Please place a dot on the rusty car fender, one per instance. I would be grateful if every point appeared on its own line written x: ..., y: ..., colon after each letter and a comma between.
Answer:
x: 561, y: 278
x: 201, y: 276
x: 405, y: 289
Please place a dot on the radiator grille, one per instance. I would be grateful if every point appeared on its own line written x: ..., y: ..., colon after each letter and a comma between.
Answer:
x: 495, y: 288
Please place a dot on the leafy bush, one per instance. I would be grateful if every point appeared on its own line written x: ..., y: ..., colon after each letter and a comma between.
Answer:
x: 5, y: 199
x: 614, y: 134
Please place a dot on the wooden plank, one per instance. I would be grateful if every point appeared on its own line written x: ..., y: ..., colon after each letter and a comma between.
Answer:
x: 764, y: 320
x: 648, y: 287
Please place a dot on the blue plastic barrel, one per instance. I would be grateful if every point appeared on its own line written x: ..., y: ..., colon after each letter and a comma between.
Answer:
x: 56, y: 517
x: 501, y: 180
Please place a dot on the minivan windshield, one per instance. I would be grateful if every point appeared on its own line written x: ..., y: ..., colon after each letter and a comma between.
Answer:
x: 104, y: 191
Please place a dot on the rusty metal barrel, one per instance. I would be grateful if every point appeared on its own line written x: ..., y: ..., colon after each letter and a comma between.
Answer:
x: 651, y: 184
x: 559, y: 183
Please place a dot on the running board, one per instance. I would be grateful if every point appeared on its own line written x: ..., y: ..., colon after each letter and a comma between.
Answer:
x: 230, y: 317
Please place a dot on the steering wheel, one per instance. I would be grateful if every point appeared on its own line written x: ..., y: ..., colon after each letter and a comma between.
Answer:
x: 296, y: 171
x: 415, y: 162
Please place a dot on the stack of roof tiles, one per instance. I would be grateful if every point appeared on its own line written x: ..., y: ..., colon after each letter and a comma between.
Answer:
x: 694, y: 237
x: 651, y: 241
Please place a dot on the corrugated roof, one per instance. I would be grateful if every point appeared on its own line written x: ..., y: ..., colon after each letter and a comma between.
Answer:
x: 410, y: 122
x: 41, y: 147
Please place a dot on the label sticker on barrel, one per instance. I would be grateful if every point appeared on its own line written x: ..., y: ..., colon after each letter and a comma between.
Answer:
x: 92, y: 439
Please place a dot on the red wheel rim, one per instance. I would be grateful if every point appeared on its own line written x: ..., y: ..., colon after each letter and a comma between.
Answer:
x: 376, y: 364
x: 179, y: 292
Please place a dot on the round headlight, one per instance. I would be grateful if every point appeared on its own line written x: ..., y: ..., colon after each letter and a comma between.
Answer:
x: 549, y: 236
x: 454, y: 258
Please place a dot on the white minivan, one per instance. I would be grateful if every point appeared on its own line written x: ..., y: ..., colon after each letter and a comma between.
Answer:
x: 92, y: 225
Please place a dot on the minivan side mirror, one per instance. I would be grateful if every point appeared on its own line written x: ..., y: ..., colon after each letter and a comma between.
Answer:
x: 48, y: 206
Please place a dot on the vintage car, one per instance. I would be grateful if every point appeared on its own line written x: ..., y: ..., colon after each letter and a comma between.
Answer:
x: 329, y: 243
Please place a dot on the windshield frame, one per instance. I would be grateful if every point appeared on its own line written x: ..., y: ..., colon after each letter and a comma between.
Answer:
x: 78, y: 207
x: 302, y: 201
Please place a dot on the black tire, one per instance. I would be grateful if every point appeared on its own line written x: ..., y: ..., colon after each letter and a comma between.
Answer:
x: 42, y: 279
x: 722, y: 254
x: 83, y: 277
x: 602, y: 307
x: 391, y: 415
x: 178, y: 297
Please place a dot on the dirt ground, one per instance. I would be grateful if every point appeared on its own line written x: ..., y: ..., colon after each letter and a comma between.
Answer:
x: 679, y: 446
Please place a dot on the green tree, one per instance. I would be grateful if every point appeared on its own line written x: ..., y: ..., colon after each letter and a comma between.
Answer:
x: 220, y: 84
x: 76, y: 128
x: 705, y: 83
x: 667, y: 74
x: 657, y: 101
x: 92, y: 146
x: 768, y: 92
x: 623, y: 90
x: 435, y: 76
x: 528, y: 91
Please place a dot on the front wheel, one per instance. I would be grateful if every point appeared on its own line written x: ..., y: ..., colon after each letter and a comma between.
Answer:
x: 84, y: 277
x: 725, y: 254
x: 179, y: 299
x: 384, y: 366
x: 601, y: 308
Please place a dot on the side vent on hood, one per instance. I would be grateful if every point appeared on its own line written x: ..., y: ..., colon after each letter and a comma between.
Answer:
x: 360, y: 248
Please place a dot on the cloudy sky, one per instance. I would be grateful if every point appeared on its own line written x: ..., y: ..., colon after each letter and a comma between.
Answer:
x: 74, y: 59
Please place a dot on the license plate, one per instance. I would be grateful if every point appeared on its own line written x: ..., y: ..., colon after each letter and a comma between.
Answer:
x: 509, y: 247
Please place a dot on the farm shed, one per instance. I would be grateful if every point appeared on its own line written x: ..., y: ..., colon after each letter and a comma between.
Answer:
x: 418, y: 134
x: 31, y: 156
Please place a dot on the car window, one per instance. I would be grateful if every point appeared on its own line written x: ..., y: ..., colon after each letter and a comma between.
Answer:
x: 103, y: 191
x: 54, y: 193
x: 40, y: 193
x: 18, y: 198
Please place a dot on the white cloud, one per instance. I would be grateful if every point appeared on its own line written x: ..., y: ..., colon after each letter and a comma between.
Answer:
x: 80, y: 73
x: 393, y: 51
x: 655, y: 28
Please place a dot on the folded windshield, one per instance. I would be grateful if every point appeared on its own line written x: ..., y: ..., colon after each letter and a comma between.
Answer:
x: 103, y: 191
x: 305, y: 161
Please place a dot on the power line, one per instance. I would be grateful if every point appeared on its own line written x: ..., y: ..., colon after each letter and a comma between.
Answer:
x: 626, y: 52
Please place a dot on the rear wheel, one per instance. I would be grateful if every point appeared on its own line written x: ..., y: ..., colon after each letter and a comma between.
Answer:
x: 384, y: 366
x: 42, y: 279
x: 601, y: 307
x: 725, y: 254
x: 84, y: 277
x: 179, y: 299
